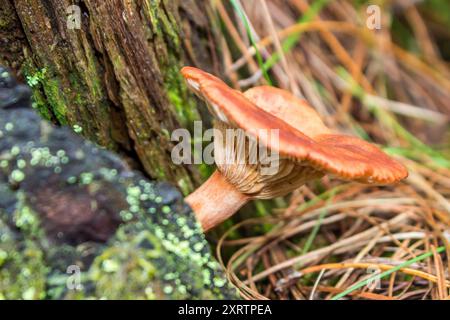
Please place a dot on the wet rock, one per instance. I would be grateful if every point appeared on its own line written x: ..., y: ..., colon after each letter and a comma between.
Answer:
x: 76, y: 222
x: 12, y: 94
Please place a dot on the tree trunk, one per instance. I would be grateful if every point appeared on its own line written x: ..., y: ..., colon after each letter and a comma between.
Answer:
x: 116, y: 79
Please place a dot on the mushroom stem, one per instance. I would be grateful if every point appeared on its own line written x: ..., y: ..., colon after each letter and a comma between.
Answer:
x: 215, y: 201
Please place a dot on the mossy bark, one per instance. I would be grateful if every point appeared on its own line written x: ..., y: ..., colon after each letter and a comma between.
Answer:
x: 116, y: 79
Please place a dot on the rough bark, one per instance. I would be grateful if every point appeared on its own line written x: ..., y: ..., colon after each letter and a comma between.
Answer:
x: 116, y: 79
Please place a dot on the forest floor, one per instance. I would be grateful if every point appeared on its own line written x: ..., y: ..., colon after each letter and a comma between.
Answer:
x: 381, y: 73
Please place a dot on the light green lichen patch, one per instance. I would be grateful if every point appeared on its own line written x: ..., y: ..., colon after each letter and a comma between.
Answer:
x: 166, y: 252
x: 77, y: 128
x: 17, y: 176
x: 125, y: 269
x: 22, y: 269
x: 36, y: 78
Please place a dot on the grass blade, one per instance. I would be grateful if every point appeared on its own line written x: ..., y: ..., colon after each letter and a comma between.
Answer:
x: 386, y: 273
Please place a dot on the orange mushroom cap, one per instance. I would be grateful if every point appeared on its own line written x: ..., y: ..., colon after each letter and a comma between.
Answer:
x: 303, y: 137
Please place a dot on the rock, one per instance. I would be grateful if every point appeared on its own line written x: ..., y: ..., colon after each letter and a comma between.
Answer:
x: 12, y: 94
x: 76, y: 222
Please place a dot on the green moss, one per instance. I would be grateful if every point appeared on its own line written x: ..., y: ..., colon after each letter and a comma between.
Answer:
x: 42, y: 84
x: 92, y: 77
x: 50, y: 97
x: 168, y: 43
x: 185, y: 186
x: 36, y: 78
x: 22, y: 267
x: 26, y: 219
x: 25, y: 276
x: 125, y: 269
x: 6, y: 20
x: 55, y: 98
x: 170, y: 27
x: 152, y: 11
x: 40, y: 105
x: 184, y: 105
x: 206, y: 170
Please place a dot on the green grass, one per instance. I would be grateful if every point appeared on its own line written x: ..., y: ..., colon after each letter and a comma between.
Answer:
x: 384, y: 274
x: 259, y: 58
x: 416, y: 149
x: 287, y: 44
x: 294, y: 38
x: 316, y: 228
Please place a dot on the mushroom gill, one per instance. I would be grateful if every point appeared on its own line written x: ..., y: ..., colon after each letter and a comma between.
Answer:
x: 303, y: 148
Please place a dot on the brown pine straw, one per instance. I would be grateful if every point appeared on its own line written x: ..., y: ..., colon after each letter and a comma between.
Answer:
x: 362, y: 228
x: 443, y: 283
x: 402, y: 55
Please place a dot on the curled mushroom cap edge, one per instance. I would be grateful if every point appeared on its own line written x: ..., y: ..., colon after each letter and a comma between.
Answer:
x: 304, y: 142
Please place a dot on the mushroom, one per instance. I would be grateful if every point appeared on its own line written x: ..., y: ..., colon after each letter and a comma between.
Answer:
x: 307, y: 149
